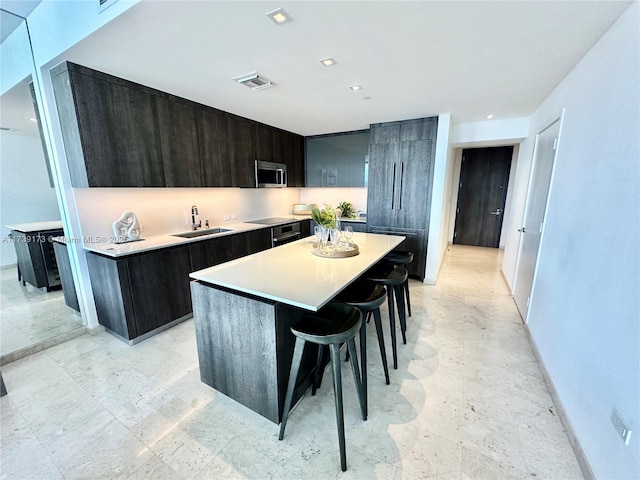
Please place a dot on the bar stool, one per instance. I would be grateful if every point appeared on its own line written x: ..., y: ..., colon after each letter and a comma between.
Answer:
x: 392, y: 277
x: 332, y: 325
x: 366, y: 297
x: 401, y: 258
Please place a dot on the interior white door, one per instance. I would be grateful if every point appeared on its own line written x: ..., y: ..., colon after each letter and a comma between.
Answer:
x: 531, y: 230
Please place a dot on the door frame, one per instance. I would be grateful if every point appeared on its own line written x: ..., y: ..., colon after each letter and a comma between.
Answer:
x: 559, y: 118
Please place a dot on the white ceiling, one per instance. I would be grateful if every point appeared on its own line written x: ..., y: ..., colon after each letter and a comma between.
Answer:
x: 413, y: 59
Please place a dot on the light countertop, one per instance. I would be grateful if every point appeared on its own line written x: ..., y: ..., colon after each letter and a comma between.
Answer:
x: 104, y: 245
x: 291, y: 274
x: 36, y: 226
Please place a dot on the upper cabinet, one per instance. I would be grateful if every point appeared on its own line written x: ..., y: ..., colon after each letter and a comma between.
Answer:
x: 337, y: 160
x: 121, y: 134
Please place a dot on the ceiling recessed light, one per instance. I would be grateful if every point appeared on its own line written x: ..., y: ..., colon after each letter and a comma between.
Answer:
x: 355, y: 88
x: 33, y: 120
x: 490, y: 116
x: 328, y: 62
x: 279, y: 16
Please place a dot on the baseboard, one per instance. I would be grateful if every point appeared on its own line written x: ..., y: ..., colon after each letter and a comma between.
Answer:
x: 38, y: 347
x: 587, y: 472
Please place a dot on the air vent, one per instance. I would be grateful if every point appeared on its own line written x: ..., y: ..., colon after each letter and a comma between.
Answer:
x: 253, y: 81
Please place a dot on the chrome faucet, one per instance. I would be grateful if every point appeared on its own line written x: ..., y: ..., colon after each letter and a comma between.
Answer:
x: 194, y: 214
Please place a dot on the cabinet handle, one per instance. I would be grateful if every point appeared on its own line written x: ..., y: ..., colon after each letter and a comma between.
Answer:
x: 393, y: 186
x: 401, y: 178
x: 394, y: 232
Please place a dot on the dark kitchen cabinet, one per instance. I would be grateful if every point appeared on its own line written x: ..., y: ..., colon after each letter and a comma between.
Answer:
x: 140, y: 293
x: 110, y: 130
x: 159, y: 283
x: 66, y: 276
x: 122, y: 134
x: 401, y: 156
x: 180, y: 148
x: 35, y: 257
x: 240, y: 138
x: 214, y: 148
x: 356, y: 226
x: 293, y: 156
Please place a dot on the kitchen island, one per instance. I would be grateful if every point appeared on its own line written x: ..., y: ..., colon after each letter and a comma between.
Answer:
x: 244, y: 309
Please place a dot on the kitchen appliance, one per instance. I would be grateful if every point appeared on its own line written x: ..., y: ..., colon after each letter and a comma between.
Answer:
x: 270, y: 174
x: 285, y: 234
x: 303, y: 208
x: 270, y: 221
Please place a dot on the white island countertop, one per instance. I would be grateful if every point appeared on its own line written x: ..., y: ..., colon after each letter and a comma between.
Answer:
x: 291, y: 274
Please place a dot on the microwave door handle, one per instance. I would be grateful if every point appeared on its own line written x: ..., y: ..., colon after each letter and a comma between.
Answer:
x: 282, y: 177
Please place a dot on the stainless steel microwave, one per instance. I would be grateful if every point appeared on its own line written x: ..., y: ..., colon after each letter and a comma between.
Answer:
x: 270, y: 174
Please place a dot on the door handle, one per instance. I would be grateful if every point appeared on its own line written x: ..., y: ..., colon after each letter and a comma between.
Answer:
x: 401, y: 178
x: 522, y: 230
x: 497, y: 212
x: 393, y: 186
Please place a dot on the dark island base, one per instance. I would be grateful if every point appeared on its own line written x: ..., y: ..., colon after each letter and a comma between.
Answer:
x: 245, y: 347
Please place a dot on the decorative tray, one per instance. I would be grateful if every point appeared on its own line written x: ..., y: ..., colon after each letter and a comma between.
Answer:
x: 344, y: 250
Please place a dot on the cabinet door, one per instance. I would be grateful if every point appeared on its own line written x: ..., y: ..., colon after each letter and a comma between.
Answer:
x: 293, y: 156
x: 180, y: 149
x: 263, y: 143
x: 213, y: 139
x: 413, y: 184
x: 119, y: 133
x: 231, y: 247
x: 415, y: 242
x: 159, y: 283
x: 382, y: 194
x: 240, y: 136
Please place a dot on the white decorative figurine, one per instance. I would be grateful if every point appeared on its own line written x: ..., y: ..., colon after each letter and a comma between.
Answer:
x: 126, y: 228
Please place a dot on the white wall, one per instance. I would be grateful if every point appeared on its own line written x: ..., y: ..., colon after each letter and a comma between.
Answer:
x: 26, y: 195
x: 440, y: 200
x: 585, y: 307
x: 16, y: 63
x: 333, y: 196
x: 168, y: 210
x: 486, y: 133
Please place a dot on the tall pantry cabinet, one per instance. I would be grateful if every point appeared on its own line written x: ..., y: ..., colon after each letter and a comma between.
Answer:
x: 401, y: 156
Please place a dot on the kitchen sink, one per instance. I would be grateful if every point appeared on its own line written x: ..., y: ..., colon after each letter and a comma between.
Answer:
x: 201, y: 233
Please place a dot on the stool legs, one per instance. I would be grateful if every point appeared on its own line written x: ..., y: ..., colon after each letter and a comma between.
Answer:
x: 399, y: 293
x: 406, y: 291
x: 383, y: 353
x: 293, y: 376
x: 392, y: 326
x: 334, y: 350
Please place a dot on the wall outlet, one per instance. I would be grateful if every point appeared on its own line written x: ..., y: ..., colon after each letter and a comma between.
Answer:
x: 621, y: 427
x: 226, y: 217
x: 234, y: 216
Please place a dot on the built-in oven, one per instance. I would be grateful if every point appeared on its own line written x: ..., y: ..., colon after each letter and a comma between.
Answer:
x: 285, y: 234
x: 270, y: 174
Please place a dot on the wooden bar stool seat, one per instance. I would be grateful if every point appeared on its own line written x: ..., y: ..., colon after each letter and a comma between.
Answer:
x: 392, y: 277
x: 332, y: 325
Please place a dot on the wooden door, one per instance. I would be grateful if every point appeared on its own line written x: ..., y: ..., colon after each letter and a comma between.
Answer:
x: 413, y: 184
x: 484, y: 177
x: 240, y: 137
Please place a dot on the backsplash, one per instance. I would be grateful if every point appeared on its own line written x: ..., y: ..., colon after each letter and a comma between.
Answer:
x: 333, y: 196
x: 168, y: 210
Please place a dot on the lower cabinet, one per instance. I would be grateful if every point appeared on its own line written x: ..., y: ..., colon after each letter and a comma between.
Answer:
x: 66, y: 276
x: 357, y: 226
x: 35, y: 257
x: 140, y: 294
x: 415, y: 242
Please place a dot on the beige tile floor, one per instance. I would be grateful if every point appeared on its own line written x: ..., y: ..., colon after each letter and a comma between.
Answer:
x: 467, y: 401
x: 30, y: 316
